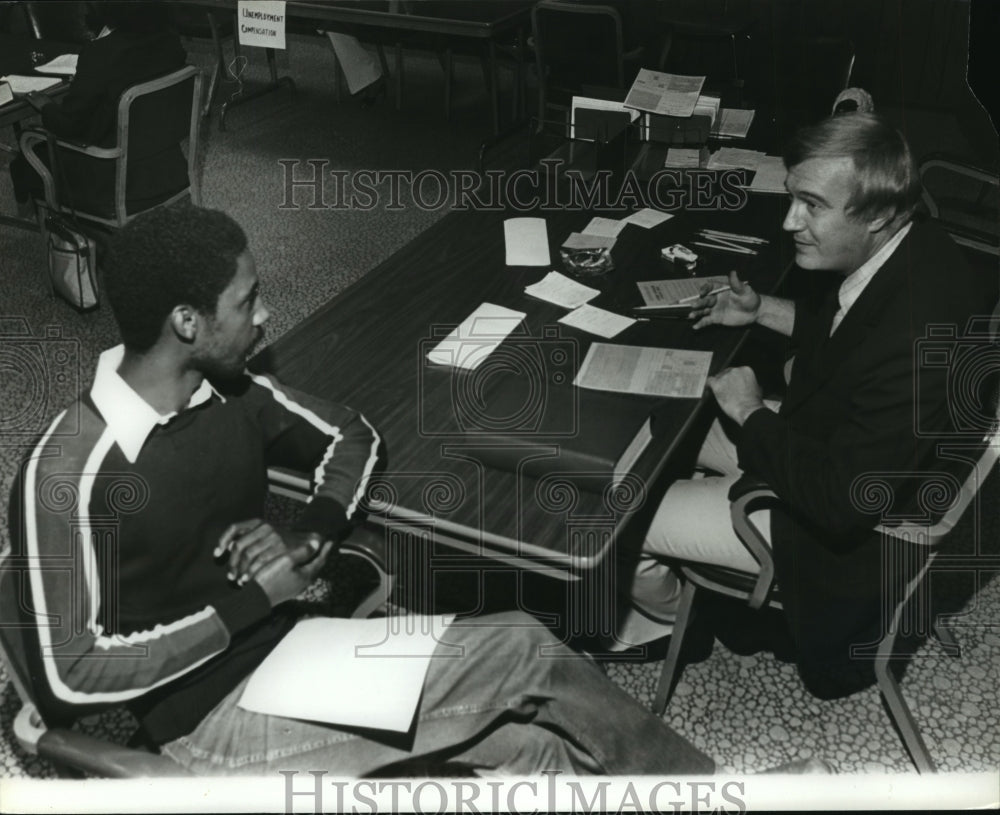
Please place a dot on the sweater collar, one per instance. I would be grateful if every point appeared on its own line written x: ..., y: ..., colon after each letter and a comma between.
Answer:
x: 129, y: 417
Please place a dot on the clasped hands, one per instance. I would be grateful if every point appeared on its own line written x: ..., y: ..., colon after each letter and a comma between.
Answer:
x: 282, y: 562
x: 736, y: 389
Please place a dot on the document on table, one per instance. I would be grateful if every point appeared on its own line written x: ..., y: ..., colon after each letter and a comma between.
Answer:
x: 734, y: 158
x: 647, y: 218
x: 669, y: 292
x: 526, y: 241
x: 646, y: 371
x: 770, y: 176
x: 733, y: 122
x: 357, y: 673
x: 666, y: 94
x: 64, y: 64
x: 26, y: 84
x: 6, y: 94
x: 606, y: 227
x: 683, y: 157
x: 476, y: 337
x: 595, y: 320
x: 584, y: 240
x: 561, y: 290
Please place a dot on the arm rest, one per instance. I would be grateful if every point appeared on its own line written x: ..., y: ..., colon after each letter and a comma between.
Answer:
x: 32, y: 138
x: 746, y: 495
x: 370, y: 545
x: 103, y: 759
x: 89, y: 755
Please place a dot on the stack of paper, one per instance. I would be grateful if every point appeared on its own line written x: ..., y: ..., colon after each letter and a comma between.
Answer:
x: 731, y: 158
x: 666, y: 94
x: 733, y: 123
x: 596, y: 104
x: 708, y: 106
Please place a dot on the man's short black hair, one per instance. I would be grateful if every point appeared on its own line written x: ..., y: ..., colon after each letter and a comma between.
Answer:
x: 167, y: 257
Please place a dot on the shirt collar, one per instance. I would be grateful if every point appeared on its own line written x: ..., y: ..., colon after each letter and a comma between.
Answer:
x: 129, y: 417
x: 855, y: 283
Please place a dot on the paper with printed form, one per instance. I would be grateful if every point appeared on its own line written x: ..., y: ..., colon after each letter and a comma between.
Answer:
x: 358, y: 673
x: 597, y: 321
x: 64, y: 64
x: 647, y: 218
x: 476, y: 337
x: 562, y: 291
x: 647, y: 371
x: 526, y: 241
x: 666, y: 94
x: 669, y: 292
x: 605, y: 227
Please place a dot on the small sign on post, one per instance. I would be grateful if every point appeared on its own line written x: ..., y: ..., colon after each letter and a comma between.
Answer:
x: 262, y: 23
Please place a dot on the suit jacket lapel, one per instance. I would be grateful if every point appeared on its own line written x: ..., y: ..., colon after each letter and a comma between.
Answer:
x: 831, y: 351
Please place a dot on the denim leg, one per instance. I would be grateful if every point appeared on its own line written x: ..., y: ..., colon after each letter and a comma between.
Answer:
x: 500, y: 694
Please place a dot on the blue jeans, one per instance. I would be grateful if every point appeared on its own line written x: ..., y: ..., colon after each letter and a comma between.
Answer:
x: 515, y: 702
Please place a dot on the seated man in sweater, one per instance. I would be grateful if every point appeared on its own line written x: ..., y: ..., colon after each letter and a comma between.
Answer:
x: 850, y: 413
x: 150, y: 579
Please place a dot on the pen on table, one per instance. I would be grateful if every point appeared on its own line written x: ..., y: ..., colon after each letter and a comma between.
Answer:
x: 732, y: 244
x: 716, y: 290
x: 726, y: 248
x: 733, y: 236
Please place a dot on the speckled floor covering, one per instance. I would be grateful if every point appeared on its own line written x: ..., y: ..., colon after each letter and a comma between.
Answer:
x: 749, y: 712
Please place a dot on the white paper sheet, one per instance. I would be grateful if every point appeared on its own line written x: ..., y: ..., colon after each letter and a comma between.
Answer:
x: 476, y: 337
x: 733, y: 122
x: 561, y: 290
x: 668, y: 292
x: 526, y: 241
x: 647, y: 371
x: 647, y: 218
x: 261, y: 23
x: 358, y: 673
x: 606, y: 227
x: 597, y: 321
x: 64, y: 64
x: 26, y: 84
x: 770, y: 176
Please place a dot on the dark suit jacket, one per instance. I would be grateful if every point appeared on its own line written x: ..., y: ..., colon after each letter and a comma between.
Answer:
x: 850, y: 411
x: 88, y: 113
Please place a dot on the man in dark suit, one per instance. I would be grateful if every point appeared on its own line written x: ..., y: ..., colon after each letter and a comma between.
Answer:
x: 851, y: 407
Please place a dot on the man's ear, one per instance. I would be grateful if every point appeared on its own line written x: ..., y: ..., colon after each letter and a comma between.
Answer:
x: 185, y: 322
x: 885, y: 218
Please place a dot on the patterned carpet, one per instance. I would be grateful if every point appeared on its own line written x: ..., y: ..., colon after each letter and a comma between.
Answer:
x: 749, y: 712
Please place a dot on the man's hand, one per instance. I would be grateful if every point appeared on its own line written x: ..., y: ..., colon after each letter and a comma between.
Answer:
x: 284, y: 563
x: 737, y: 392
x: 739, y: 306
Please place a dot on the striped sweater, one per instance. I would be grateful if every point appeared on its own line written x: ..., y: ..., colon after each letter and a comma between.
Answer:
x: 114, y: 519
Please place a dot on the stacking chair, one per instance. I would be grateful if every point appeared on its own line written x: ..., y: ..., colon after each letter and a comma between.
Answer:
x: 152, y: 117
x: 963, y: 198
x: 577, y: 45
x: 76, y: 754
x: 759, y: 591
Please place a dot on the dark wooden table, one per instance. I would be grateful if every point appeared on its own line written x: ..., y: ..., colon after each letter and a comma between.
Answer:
x: 367, y: 348
x: 481, y: 24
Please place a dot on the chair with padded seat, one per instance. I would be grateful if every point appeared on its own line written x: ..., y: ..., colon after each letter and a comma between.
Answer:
x: 74, y: 753
x: 577, y: 45
x: 899, y: 542
x: 153, y: 118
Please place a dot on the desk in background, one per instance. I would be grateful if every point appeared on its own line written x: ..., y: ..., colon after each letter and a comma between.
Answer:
x: 482, y: 25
